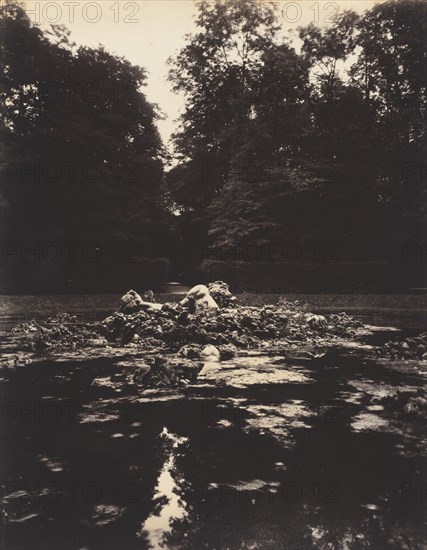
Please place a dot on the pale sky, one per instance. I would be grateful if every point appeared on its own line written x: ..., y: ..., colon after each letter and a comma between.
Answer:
x: 148, y: 32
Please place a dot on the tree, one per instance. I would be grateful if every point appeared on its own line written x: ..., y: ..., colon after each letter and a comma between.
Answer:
x: 340, y: 144
x: 84, y: 160
x: 390, y: 70
x: 218, y: 71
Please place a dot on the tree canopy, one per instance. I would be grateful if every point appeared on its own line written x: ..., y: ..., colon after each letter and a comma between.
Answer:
x: 330, y: 132
x: 322, y: 140
x: 83, y: 159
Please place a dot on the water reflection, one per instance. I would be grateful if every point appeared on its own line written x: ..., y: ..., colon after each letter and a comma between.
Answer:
x: 168, y: 505
x: 267, y: 452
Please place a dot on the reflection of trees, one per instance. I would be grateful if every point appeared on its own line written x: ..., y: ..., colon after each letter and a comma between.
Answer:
x: 170, y: 510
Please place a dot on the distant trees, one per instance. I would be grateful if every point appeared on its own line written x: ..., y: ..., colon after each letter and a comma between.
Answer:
x: 325, y: 144
x: 82, y: 157
x: 219, y: 72
x: 322, y: 143
x: 391, y: 74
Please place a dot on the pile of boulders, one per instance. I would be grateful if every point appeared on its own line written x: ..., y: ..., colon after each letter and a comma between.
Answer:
x: 410, y: 348
x: 202, y: 319
x: 158, y: 372
x: 206, y: 316
x: 204, y: 328
x: 416, y: 407
x: 221, y: 294
x: 60, y: 331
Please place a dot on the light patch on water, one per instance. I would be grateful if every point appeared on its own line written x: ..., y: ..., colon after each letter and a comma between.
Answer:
x: 355, y: 345
x: 136, y: 362
x: 370, y: 506
x: 278, y: 420
x: 375, y: 408
x: 368, y: 422
x: 225, y: 423
x: 317, y: 533
x: 159, y: 397
x: 377, y: 390
x: 106, y: 514
x: 354, y: 397
x: 253, y: 485
x: 349, y: 539
x: 98, y: 416
x: 249, y: 371
x: 52, y: 464
x: 106, y: 382
x: 23, y: 519
x: 123, y: 356
x: 167, y: 500
x: 376, y: 328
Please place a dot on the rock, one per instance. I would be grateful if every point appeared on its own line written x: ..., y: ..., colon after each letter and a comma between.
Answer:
x: 97, y: 342
x: 41, y: 344
x: 210, y: 353
x: 421, y: 350
x: 190, y: 351
x: 169, y: 327
x: 411, y: 348
x: 158, y: 374
x: 141, y: 377
x: 316, y: 322
x: 62, y: 318
x: 187, y: 371
x: 227, y: 351
x: 416, y: 406
x: 183, y: 318
x: 198, y: 300
x: 26, y: 328
x: 221, y: 294
x: 148, y: 296
x: 132, y: 302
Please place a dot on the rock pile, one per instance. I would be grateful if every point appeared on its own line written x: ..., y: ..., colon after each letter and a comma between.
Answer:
x: 221, y: 294
x: 410, y: 348
x: 203, y: 329
x: 161, y: 372
x: 187, y: 327
x: 416, y: 406
x: 59, y: 331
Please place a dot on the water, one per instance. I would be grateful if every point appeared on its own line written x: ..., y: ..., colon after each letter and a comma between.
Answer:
x: 265, y: 453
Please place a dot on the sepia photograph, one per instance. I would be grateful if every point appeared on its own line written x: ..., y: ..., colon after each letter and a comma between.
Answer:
x: 213, y: 275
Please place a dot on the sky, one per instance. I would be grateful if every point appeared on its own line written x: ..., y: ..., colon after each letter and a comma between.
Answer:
x: 148, y: 32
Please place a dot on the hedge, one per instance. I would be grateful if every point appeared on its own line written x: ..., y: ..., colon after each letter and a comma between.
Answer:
x: 298, y: 277
x: 106, y: 276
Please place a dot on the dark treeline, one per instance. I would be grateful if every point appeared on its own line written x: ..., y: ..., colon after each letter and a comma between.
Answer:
x: 82, y: 163
x: 320, y: 145
x: 317, y: 142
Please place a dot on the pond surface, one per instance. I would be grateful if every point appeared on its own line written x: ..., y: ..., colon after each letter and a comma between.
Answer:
x: 264, y: 453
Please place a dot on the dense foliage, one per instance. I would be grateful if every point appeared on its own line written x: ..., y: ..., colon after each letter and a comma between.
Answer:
x: 82, y: 157
x: 322, y: 143
x: 318, y: 144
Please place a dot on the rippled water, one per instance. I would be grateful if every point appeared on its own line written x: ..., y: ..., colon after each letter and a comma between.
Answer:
x: 265, y: 452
